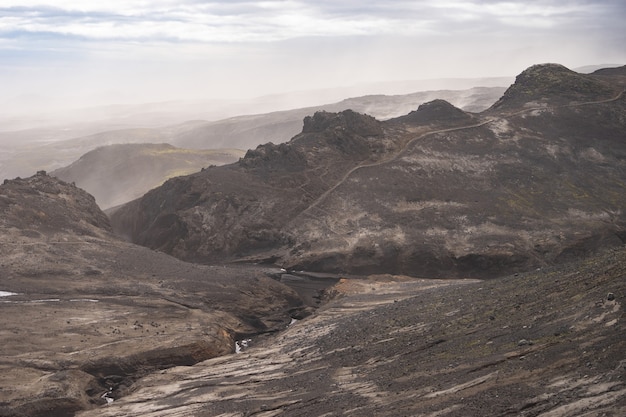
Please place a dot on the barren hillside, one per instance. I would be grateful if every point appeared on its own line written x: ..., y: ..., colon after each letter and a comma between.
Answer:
x: 84, y: 314
x: 117, y: 174
x: 537, y: 179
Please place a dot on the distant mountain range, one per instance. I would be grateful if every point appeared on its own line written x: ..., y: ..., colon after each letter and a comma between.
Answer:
x: 116, y: 174
x: 24, y: 152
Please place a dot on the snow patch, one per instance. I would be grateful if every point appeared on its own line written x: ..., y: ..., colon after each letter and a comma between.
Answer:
x: 241, y: 345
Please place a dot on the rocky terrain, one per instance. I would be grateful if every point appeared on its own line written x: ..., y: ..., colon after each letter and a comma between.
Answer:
x: 84, y: 314
x: 117, y: 174
x: 535, y: 180
x: 315, y: 287
x: 548, y: 343
x: 93, y: 326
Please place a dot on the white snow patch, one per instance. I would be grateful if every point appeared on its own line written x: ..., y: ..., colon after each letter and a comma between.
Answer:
x: 107, y: 397
x: 241, y: 345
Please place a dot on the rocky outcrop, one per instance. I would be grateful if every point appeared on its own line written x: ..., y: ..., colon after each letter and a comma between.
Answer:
x: 438, y: 112
x: 356, y: 123
x: 43, y: 203
x: 552, y: 84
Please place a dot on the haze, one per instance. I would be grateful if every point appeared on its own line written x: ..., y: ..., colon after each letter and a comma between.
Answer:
x: 73, y: 53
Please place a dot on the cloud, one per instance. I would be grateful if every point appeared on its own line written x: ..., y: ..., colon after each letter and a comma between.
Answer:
x: 267, y: 21
x: 245, y: 21
x: 217, y: 47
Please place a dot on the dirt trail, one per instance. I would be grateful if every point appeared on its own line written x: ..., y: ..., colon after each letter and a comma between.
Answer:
x: 408, y: 143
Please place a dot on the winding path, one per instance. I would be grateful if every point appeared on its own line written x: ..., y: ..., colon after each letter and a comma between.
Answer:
x: 406, y: 146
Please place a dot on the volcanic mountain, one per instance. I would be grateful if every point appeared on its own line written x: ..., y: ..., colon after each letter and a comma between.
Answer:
x: 537, y: 179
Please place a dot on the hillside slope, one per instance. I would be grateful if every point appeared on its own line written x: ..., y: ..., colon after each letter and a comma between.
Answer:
x: 116, y: 174
x: 550, y: 343
x: 436, y: 193
x: 85, y: 314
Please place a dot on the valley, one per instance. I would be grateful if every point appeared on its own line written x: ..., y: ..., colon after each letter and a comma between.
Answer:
x: 442, y: 262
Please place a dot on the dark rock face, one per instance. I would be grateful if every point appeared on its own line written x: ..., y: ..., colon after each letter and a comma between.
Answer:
x: 555, y: 83
x: 436, y: 111
x: 42, y: 202
x: 274, y: 157
x: 347, y: 120
x: 535, y: 180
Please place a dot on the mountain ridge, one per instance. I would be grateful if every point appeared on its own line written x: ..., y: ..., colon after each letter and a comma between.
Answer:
x: 116, y: 174
x: 43, y: 149
x: 554, y: 84
x: 477, y: 175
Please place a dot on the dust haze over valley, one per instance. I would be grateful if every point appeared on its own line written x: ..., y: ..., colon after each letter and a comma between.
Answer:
x: 228, y: 128
x: 312, y: 208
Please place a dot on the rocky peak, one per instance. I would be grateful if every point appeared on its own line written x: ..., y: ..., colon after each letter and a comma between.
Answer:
x: 435, y: 111
x: 283, y: 157
x: 554, y: 83
x: 359, y: 124
x: 49, y: 204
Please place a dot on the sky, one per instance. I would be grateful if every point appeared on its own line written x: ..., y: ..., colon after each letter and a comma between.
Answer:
x: 77, y: 51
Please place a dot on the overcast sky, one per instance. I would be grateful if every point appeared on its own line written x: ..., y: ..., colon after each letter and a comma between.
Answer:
x: 138, y: 50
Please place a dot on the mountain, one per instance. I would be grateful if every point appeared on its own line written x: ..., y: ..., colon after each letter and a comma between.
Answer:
x: 116, y: 174
x: 98, y: 327
x: 247, y: 132
x: 24, y: 152
x: 536, y: 179
x: 85, y: 314
x: 552, y: 84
